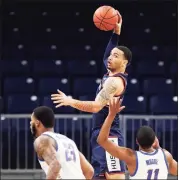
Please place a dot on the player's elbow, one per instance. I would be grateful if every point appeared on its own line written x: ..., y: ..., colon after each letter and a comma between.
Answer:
x: 173, y: 169
x: 89, y: 173
x: 97, y: 107
x: 100, y: 140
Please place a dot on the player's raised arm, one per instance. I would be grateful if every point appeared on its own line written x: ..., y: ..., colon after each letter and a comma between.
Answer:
x: 45, y: 148
x: 113, y: 42
x: 112, y: 86
x: 172, y: 164
x: 124, y: 154
x: 86, y: 167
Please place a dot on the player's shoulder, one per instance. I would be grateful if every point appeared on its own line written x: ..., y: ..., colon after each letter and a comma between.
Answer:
x: 114, y: 81
x: 42, y: 139
x: 167, y: 154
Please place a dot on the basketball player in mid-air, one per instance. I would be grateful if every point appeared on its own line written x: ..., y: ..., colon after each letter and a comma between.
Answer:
x: 147, y: 163
x: 58, y: 155
x: 116, y: 59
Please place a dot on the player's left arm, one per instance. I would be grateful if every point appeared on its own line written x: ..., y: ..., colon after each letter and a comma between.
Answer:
x: 172, y: 164
x: 45, y: 149
x: 112, y: 86
x: 124, y: 154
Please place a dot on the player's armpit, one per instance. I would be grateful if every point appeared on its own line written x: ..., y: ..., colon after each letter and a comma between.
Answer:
x: 172, y: 164
x: 112, y: 86
x: 86, y: 167
x: 45, y: 149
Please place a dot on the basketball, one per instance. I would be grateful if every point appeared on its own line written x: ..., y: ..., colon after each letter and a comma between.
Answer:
x: 105, y: 18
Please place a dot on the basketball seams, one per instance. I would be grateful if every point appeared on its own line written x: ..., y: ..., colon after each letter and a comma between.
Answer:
x: 104, y: 15
x: 100, y: 21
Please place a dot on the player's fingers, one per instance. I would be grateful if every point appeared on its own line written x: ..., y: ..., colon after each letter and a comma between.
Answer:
x: 55, y: 98
x: 121, y: 108
x: 58, y: 101
x: 59, y: 105
x: 60, y: 92
x: 53, y: 95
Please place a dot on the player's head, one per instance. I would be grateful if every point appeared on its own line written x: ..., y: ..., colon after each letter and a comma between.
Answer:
x: 42, y: 119
x: 145, y: 137
x: 120, y: 57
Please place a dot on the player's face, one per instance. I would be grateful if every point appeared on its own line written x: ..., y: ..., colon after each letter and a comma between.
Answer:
x: 33, y: 127
x: 116, y: 60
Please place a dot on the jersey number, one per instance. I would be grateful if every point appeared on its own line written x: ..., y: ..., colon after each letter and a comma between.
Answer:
x: 69, y: 152
x: 151, y: 172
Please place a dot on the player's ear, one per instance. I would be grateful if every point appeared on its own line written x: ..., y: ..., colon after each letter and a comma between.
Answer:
x: 37, y: 123
x: 125, y: 62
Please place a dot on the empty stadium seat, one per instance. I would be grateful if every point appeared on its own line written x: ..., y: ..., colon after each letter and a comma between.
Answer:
x: 163, y: 104
x: 150, y: 68
x: 49, y: 67
x: 82, y: 67
x: 133, y: 86
x: 85, y: 86
x: 21, y: 103
x: 48, y: 86
x: 174, y: 68
x: 1, y: 104
x: 158, y: 86
x: 19, y: 85
x: 15, y: 66
x: 135, y: 104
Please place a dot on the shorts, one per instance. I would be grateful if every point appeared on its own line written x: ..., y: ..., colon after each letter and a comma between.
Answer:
x: 101, y: 160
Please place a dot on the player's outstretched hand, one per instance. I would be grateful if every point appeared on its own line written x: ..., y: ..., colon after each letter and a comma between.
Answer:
x: 115, y: 106
x: 117, y: 29
x: 60, y: 99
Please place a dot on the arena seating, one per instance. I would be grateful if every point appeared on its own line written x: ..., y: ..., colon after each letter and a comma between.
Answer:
x: 50, y: 46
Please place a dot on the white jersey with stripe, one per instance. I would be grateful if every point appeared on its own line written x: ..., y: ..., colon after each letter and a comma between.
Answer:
x: 150, y: 165
x: 67, y: 155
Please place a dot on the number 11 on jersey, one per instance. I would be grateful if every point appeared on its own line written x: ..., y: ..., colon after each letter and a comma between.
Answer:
x: 151, y: 172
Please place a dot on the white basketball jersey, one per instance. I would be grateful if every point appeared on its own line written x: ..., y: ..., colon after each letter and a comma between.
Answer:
x: 68, y: 156
x: 151, y: 165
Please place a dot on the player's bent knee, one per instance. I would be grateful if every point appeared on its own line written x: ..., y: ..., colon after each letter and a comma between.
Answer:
x: 115, y: 176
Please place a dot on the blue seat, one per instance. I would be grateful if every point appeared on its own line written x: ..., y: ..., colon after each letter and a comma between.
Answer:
x: 163, y: 104
x: 1, y: 104
x: 24, y: 103
x: 158, y: 86
x: 150, y: 68
x: 87, y: 97
x: 46, y: 101
x: 49, y: 67
x: 84, y: 86
x: 82, y: 67
x: 135, y: 104
x: 169, y: 53
x: 50, y: 85
x: 133, y: 86
x: 15, y: 66
x: 19, y: 85
x: 174, y: 68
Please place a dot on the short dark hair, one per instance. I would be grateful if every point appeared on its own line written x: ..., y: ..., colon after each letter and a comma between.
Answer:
x: 145, y: 136
x: 127, y: 53
x: 45, y: 115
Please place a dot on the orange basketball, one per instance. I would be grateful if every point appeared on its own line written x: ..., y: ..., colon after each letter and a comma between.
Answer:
x: 105, y: 18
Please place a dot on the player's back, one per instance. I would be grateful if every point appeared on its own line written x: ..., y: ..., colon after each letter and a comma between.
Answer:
x: 151, y: 165
x: 68, y: 157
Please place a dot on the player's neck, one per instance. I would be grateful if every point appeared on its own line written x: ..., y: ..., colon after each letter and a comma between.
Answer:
x: 149, y: 150
x: 121, y: 70
x: 47, y: 130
